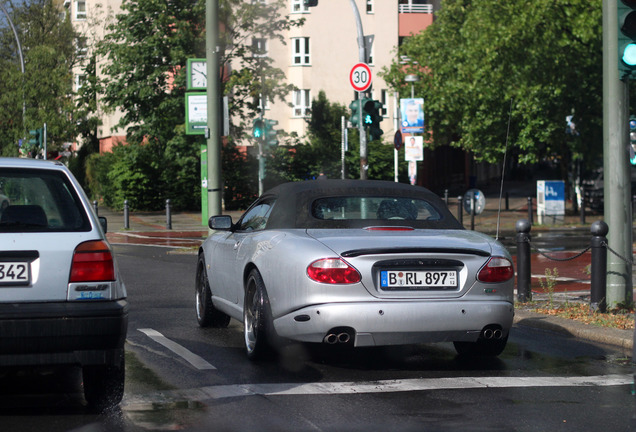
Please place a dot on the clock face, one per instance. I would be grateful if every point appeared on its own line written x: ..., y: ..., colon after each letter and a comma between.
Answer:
x: 198, y: 73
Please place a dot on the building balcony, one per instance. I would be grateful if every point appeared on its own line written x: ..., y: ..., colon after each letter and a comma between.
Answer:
x: 413, y: 18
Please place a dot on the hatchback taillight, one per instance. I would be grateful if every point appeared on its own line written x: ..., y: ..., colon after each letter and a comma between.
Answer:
x: 92, y: 262
x: 497, y: 269
x: 333, y: 271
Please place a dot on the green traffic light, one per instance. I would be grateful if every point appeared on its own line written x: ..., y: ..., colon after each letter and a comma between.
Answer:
x: 629, y: 55
x: 368, y: 119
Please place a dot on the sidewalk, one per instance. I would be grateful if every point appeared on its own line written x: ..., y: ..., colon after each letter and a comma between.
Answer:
x: 188, y: 231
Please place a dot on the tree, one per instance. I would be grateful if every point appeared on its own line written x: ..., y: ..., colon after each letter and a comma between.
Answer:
x: 46, y: 87
x: 485, y: 62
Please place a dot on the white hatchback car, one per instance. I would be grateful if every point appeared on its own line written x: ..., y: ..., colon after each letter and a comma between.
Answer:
x: 62, y: 300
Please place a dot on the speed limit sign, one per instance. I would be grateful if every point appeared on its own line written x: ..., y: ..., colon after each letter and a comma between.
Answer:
x: 360, y: 77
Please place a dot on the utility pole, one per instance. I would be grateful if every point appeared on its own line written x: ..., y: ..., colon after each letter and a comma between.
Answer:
x: 362, y: 57
x: 617, y: 184
x: 19, y: 49
x: 212, y: 53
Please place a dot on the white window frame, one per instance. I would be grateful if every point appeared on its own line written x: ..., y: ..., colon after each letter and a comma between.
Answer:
x: 260, y: 103
x: 82, y: 47
x: 370, y: 7
x: 384, y: 99
x: 79, y: 81
x: 262, y: 44
x: 298, y: 6
x: 301, y: 51
x: 80, y: 13
x: 301, y: 101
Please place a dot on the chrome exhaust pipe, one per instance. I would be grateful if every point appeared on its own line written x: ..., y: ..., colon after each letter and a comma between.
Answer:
x: 488, y: 333
x: 344, y: 337
x: 497, y: 334
x: 331, y: 339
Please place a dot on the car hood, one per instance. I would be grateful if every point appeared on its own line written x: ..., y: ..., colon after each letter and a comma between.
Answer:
x: 353, y: 242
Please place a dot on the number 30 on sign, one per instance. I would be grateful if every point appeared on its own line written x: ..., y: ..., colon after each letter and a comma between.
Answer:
x: 360, y: 77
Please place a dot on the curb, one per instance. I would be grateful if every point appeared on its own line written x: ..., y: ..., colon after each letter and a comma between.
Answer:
x: 620, y: 338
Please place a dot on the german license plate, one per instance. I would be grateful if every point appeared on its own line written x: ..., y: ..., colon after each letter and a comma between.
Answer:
x: 14, y: 272
x: 418, y: 279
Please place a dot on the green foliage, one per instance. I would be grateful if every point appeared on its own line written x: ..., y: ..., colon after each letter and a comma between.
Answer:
x: 45, y: 89
x: 480, y: 55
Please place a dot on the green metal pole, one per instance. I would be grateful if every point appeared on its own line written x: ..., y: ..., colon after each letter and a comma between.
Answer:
x: 212, y: 53
x: 617, y: 184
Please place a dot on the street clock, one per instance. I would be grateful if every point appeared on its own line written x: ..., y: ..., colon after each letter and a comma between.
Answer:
x: 197, y: 74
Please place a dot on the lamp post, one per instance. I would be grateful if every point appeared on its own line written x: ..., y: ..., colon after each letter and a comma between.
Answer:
x: 410, y: 78
x: 19, y: 46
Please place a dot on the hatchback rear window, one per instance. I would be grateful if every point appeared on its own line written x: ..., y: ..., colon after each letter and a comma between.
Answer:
x: 376, y: 208
x: 39, y: 201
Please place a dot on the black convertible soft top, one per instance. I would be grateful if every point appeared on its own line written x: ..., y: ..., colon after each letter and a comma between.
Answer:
x: 294, y: 201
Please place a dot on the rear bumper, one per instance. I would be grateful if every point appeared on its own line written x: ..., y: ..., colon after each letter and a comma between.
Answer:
x: 397, y: 323
x: 82, y: 333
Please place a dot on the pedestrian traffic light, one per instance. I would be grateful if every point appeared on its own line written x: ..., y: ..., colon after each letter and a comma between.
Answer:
x: 626, y: 10
x: 355, y: 113
x: 271, y: 137
x: 258, y: 129
x: 373, y: 117
x: 36, y: 140
x: 632, y: 140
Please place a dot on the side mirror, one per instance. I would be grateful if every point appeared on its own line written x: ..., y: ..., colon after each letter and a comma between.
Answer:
x: 104, y: 223
x: 222, y: 223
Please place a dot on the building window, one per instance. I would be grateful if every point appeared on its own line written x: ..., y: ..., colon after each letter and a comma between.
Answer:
x: 82, y: 47
x: 79, y: 81
x: 301, y: 51
x: 298, y: 6
x: 369, y: 6
x: 80, y: 9
x: 259, y: 103
x: 301, y: 102
x: 384, y: 98
x: 259, y: 47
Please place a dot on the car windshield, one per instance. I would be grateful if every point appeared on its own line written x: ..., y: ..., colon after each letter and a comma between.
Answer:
x: 39, y: 200
x: 382, y: 208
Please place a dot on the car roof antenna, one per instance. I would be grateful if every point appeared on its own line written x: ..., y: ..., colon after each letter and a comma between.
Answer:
x: 503, y: 170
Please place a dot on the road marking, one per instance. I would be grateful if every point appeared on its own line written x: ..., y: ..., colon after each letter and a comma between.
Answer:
x: 182, y: 352
x: 202, y: 394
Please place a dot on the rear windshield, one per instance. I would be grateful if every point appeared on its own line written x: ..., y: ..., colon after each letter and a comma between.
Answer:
x: 376, y: 208
x: 39, y: 201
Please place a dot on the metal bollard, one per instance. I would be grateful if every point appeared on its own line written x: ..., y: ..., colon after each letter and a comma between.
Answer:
x: 530, y: 211
x: 168, y: 215
x: 524, y: 291
x: 446, y: 197
x: 95, y: 207
x: 598, y: 278
x: 460, y: 214
x: 126, y: 215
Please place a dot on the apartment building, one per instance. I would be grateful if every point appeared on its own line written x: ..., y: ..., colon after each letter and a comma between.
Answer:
x: 319, y: 55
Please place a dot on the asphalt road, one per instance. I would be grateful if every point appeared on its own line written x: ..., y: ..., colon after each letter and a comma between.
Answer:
x: 182, y: 377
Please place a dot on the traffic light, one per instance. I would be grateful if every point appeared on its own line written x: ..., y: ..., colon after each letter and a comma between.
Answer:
x: 36, y: 140
x: 355, y: 113
x: 258, y: 129
x: 626, y: 10
x: 372, y: 116
x: 632, y: 140
x: 271, y: 134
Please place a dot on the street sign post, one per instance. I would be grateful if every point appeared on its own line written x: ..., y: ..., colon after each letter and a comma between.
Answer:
x: 360, y: 77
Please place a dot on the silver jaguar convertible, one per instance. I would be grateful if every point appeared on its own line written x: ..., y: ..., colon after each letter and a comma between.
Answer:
x: 363, y: 263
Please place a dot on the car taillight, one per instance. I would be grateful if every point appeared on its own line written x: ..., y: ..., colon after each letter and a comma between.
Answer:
x: 333, y: 271
x: 92, y: 262
x: 497, y: 269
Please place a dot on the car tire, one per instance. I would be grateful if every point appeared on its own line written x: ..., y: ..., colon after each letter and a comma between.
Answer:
x: 104, y: 385
x: 481, y: 348
x: 257, y: 321
x: 207, y: 314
